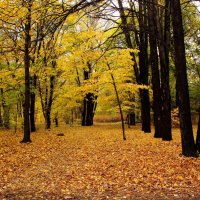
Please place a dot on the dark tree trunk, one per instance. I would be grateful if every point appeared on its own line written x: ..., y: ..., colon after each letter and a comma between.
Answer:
x: 177, y: 101
x: 56, y: 121
x: 144, y: 69
x: 145, y: 111
x: 157, y: 102
x: 198, y: 135
x: 6, y: 116
x: 187, y: 138
x: 166, y: 112
x: 89, y: 106
x: 48, y: 119
x: 49, y: 102
x: 27, y: 77
x: 6, y: 112
x: 32, y: 106
x: 131, y: 119
x: 163, y: 46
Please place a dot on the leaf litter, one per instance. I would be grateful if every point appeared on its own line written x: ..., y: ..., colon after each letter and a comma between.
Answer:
x: 95, y: 163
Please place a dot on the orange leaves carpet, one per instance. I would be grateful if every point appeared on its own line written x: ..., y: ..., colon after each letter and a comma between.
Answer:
x: 95, y: 163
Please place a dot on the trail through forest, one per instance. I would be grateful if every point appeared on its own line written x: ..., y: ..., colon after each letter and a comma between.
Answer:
x: 95, y: 163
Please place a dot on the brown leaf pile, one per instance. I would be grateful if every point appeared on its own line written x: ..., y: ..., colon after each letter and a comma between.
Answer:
x: 95, y: 163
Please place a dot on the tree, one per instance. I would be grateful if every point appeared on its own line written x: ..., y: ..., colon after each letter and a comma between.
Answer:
x: 27, y: 29
x: 163, y: 46
x: 157, y: 101
x: 159, y: 33
x: 89, y: 102
x: 187, y: 138
x: 141, y: 71
x: 143, y: 64
x: 117, y: 73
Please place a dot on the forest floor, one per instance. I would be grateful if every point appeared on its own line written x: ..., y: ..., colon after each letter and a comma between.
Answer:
x: 95, y: 163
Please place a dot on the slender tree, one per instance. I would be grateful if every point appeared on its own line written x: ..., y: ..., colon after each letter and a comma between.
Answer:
x: 166, y: 107
x: 27, y: 74
x: 118, y: 102
x: 33, y: 82
x: 157, y: 102
x: 163, y: 38
x: 141, y: 71
x: 144, y: 68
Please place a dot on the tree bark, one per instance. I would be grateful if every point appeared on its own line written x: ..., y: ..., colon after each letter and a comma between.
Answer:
x: 119, y: 103
x: 50, y: 101
x: 187, y: 138
x: 32, y: 105
x: 144, y: 70
x: 131, y: 118
x: 89, y: 104
x: 56, y: 121
x: 26, y: 137
x: 6, y: 112
x: 6, y: 116
x: 145, y: 110
x: 163, y: 46
x: 48, y: 119
x: 157, y: 102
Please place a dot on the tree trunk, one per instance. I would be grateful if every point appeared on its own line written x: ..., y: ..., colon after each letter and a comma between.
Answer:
x: 48, y: 119
x: 119, y: 103
x: 145, y: 110
x: 32, y: 106
x: 6, y: 112
x: 157, y: 102
x: 27, y: 76
x: 89, y: 105
x: 131, y: 118
x: 166, y: 112
x: 56, y: 121
x: 187, y: 138
x: 163, y: 46
x: 143, y: 63
x: 50, y: 101
x: 6, y: 116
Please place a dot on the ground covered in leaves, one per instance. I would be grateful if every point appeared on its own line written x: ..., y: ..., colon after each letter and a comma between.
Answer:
x: 95, y: 163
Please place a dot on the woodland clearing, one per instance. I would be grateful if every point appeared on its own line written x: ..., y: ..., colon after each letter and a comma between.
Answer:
x: 95, y: 163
